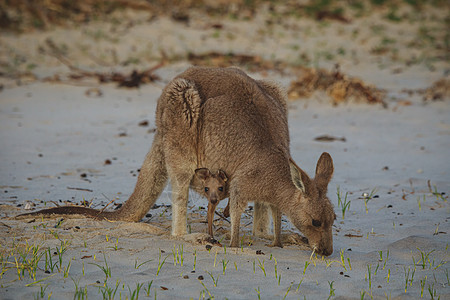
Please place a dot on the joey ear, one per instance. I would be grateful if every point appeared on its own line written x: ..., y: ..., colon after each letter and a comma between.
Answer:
x: 203, y: 173
x: 222, y: 175
x: 324, y: 168
x: 296, y: 176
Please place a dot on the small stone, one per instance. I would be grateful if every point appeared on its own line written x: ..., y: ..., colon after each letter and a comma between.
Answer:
x: 143, y: 123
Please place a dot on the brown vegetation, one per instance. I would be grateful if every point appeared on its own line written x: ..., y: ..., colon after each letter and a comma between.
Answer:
x: 340, y: 87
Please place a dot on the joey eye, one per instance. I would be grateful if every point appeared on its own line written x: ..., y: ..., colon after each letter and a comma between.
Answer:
x: 316, y: 223
x: 221, y: 189
x: 206, y: 189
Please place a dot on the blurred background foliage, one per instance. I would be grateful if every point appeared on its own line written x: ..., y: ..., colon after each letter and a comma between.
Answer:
x: 26, y: 15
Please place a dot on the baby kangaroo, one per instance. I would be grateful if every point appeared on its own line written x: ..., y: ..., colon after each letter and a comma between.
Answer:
x: 215, y: 189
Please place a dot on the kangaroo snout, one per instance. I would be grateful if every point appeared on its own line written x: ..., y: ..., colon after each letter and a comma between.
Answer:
x: 322, y: 244
x: 213, y: 199
x: 322, y: 250
x: 327, y: 252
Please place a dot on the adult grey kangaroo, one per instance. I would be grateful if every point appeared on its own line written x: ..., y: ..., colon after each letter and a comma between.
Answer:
x: 220, y: 118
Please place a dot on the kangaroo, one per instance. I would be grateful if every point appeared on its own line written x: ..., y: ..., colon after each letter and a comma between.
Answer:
x: 214, y: 188
x: 222, y: 118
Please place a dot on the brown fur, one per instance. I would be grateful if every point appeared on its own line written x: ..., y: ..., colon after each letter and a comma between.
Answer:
x: 214, y: 187
x: 221, y: 118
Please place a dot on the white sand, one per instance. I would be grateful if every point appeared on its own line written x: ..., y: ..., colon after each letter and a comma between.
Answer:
x: 53, y: 133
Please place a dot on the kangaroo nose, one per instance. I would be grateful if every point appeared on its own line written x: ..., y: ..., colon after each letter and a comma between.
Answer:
x: 213, y: 198
x: 327, y: 252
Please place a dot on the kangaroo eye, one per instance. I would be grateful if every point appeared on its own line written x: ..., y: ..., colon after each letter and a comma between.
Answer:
x: 221, y: 189
x: 206, y: 189
x: 316, y: 223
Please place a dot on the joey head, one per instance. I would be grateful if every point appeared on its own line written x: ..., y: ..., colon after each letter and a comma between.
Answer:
x: 214, y: 188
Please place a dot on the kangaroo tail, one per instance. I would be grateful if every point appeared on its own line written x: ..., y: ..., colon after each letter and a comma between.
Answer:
x: 64, y: 210
x: 151, y: 181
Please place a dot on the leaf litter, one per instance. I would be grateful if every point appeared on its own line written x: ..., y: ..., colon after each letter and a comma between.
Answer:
x: 339, y: 87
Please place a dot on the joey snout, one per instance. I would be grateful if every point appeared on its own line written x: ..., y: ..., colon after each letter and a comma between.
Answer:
x: 213, y: 198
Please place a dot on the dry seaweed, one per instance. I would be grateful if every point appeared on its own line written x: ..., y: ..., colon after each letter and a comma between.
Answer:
x: 438, y: 91
x: 250, y: 62
x: 329, y: 138
x: 340, y: 87
x: 132, y: 80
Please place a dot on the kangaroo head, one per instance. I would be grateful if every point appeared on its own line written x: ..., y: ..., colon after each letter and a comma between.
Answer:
x: 214, y: 184
x: 313, y: 213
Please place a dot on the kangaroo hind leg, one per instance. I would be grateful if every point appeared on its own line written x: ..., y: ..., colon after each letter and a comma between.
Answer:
x: 180, y: 195
x: 276, y: 218
x: 261, y: 220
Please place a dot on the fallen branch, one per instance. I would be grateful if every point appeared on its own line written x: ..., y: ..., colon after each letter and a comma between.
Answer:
x: 132, y: 80
x: 222, y: 217
x: 79, y: 189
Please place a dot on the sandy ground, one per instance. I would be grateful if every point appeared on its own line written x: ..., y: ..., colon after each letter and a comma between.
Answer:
x: 77, y: 140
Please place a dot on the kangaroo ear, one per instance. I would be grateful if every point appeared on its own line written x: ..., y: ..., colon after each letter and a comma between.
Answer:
x: 203, y: 173
x: 183, y: 91
x: 222, y: 175
x: 324, y: 172
x: 324, y: 168
x: 296, y: 176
